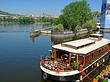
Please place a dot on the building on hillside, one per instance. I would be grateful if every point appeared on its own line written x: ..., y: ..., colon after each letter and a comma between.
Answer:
x: 6, y: 16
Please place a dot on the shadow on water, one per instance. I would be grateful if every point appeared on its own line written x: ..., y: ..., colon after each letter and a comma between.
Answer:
x: 49, y: 80
x: 58, y: 40
x: 33, y: 37
x: 97, y: 71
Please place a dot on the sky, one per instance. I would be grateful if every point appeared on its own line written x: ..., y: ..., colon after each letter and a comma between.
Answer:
x: 37, y: 7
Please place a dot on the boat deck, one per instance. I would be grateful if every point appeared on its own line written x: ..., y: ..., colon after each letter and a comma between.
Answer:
x: 63, y: 66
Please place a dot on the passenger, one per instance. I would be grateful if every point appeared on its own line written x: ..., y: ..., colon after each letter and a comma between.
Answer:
x: 101, y: 79
x: 66, y: 55
x: 55, y: 63
x: 62, y: 58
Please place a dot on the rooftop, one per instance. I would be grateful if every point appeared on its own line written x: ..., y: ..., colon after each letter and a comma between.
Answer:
x: 96, y: 34
x: 84, y: 50
x: 80, y: 42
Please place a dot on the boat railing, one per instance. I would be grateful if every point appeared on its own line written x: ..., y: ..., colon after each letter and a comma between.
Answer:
x: 50, y: 64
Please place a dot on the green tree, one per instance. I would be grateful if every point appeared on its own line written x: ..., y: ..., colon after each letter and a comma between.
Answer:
x: 96, y: 14
x: 4, y: 19
x: 87, y: 25
x: 76, y: 13
x: 59, y: 27
x: 94, y: 22
x: 20, y: 19
x: 0, y: 19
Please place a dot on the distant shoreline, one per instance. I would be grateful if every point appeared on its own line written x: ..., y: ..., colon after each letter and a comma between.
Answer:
x: 9, y: 22
x: 24, y: 23
x: 42, y: 23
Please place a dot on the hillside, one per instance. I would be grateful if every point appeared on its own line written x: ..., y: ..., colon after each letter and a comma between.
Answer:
x: 6, y: 13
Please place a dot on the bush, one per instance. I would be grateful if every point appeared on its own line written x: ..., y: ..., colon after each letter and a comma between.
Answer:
x: 86, y: 65
x: 59, y: 27
x: 94, y: 22
x: 76, y: 65
x: 87, y: 25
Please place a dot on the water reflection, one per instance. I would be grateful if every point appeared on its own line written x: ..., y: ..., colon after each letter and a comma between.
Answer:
x: 57, y: 40
x: 33, y: 37
x: 106, y: 35
x: 97, y: 71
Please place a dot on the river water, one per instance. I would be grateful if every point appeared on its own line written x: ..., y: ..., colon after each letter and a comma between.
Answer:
x: 20, y: 53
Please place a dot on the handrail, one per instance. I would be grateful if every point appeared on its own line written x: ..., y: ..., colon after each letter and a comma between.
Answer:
x: 42, y: 56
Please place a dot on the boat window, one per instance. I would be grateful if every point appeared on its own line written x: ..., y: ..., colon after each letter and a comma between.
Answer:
x: 86, y: 44
x: 94, y: 54
x: 90, y: 56
x: 73, y: 47
x: 68, y: 46
x: 63, y: 45
x: 73, y: 54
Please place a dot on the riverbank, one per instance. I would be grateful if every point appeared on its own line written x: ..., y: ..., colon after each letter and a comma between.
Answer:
x: 9, y: 22
x: 42, y: 23
x: 69, y: 33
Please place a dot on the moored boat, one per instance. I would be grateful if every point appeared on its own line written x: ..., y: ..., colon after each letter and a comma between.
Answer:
x: 67, y: 58
x: 34, y: 32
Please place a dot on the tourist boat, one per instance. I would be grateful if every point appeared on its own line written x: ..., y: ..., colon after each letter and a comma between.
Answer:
x: 66, y: 59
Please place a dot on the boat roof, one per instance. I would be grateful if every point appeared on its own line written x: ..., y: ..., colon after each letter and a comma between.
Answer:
x: 80, y: 42
x: 83, y: 50
x: 96, y: 34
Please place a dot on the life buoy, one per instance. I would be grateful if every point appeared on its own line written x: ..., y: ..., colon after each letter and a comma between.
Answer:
x: 45, y: 76
x: 40, y: 63
x: 57, y: 70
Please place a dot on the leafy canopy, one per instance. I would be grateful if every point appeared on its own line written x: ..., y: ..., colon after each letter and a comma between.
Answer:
x: 87, y: 25
x: 76, y: 13
x: 59, y: 27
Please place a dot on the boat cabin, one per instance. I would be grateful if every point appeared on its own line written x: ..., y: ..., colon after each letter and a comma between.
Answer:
x: 98, y: 37
x: 81, y: 51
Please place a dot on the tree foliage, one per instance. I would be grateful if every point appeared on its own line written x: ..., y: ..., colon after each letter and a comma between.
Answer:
x: 96, y: 14
x: 94, y: 22
x: 47, y: 19
x: 0, y: 19
x: 87, y: 25
x: 76, y: 13
x: 59, y: 27
x: 90, y: 24
x: 20, y: 19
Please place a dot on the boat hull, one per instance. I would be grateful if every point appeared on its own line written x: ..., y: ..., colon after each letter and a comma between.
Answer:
x: 36, y: 32
x: 68, y: 76
x: 61, y: 78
